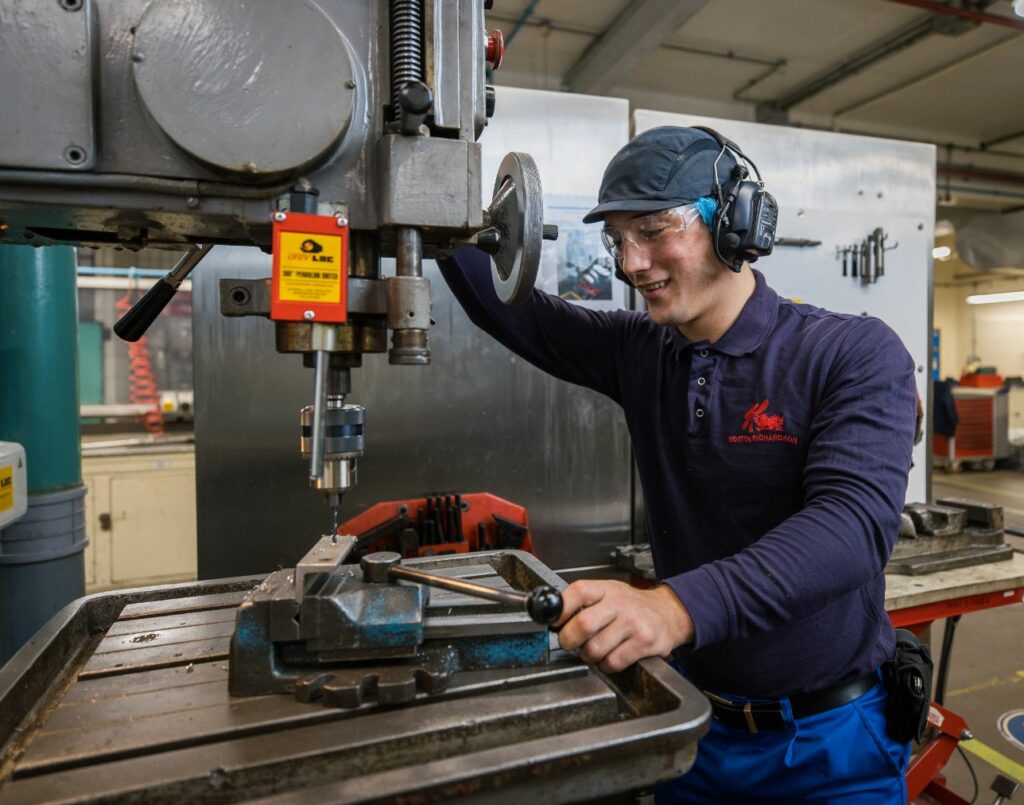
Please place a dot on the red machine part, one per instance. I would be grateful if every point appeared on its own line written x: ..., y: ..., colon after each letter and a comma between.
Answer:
x: 495, y: 48
x: 980, y: 380
x: 142, y: 389
x: 974, y: 433
x: 310, y: 272
x: 442, y: 524
x: 923, y: 771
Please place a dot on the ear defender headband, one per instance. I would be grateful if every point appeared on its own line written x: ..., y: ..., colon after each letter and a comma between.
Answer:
x: 743, y: 228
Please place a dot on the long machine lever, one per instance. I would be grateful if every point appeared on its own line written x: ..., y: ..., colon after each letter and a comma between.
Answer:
x: 543, y: 603
x: 133, y: 324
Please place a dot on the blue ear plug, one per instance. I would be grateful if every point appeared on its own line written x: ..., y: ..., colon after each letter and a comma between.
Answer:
x: 706, y: 206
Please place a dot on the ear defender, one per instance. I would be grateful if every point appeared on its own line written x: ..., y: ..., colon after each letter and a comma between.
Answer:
x: 743, y: 228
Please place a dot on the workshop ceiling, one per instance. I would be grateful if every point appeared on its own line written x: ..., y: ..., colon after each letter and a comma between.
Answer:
x: 950, y: 73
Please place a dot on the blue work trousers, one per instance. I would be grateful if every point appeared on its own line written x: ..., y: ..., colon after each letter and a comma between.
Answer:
x: 843, y: 755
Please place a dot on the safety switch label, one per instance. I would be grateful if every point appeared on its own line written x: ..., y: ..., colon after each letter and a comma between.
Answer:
x: 310, y: 268
x: 6, y: 488
x: 310, y: 277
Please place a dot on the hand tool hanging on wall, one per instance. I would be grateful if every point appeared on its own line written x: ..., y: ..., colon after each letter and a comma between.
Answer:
x: 865, y: 259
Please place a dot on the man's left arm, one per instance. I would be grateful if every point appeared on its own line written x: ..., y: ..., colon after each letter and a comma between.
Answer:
x: 855, y: 480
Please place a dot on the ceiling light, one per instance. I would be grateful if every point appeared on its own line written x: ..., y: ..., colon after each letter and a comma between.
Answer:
x: 1018, y: 7
x: 943, y: 252
x: 992, y: 298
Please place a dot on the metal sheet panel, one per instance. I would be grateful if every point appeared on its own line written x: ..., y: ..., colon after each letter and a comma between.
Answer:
x: 837, y: 188
x: 477, y: 419
x: 48, y: 117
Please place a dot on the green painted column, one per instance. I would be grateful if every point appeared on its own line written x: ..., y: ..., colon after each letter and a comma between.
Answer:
x: 39, y: 363
x: 41, y: 554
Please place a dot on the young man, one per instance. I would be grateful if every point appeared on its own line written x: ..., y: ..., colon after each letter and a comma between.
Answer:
x: 773, y: 442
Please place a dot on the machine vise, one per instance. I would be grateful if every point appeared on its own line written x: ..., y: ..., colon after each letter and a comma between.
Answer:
x: 345, y: 633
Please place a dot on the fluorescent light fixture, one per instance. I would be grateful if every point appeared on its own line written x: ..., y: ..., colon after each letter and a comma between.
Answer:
x: 941, y: 252
x: 992, y: 298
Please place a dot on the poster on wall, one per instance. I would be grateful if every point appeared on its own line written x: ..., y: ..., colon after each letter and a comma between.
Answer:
x: 576, y: 267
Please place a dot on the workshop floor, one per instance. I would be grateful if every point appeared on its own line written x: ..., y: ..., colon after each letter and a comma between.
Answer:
x: 986, y: 676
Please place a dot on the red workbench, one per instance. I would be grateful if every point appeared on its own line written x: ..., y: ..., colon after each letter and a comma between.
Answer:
x: 914, y: 603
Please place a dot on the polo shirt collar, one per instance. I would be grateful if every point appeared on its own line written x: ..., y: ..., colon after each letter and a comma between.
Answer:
x: 751, y: 328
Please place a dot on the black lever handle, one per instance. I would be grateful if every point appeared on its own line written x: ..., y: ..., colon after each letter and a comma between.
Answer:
x: 133, y: 324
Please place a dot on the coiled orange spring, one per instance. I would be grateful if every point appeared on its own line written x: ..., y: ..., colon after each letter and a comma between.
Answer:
x: 142, y: 382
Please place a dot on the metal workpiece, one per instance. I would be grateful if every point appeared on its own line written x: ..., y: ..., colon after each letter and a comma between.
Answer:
x: 329, y: 552
x: 144, y: 713
x: 951, y: 533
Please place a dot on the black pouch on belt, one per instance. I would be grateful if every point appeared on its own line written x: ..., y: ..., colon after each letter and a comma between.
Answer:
x: 908, y: 677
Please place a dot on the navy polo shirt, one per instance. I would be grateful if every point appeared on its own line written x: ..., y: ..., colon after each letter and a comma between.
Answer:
x: 773, y: 462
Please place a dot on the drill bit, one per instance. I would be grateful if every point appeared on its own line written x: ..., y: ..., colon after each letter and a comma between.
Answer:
x: 334, y: 502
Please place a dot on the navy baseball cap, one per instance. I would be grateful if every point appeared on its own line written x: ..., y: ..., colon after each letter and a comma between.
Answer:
x: 661, y: 168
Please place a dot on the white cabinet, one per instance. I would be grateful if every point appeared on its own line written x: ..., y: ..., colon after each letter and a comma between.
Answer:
x: 140, y: 518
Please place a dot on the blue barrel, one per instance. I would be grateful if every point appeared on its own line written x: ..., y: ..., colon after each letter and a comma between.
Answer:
x: 41, y: 554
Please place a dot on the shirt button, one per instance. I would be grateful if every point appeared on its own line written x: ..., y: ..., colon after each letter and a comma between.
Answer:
x: 703, y: 353
x: 699, y: 412
x: 701, y: 381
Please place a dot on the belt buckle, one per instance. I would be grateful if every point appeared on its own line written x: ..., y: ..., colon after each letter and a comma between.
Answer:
x: 748, y: 715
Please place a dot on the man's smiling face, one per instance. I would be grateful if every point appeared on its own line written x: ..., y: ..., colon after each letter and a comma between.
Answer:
x: 669, y: 257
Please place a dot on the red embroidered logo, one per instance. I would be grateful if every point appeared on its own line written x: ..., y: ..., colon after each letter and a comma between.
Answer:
x: 759, y: 426
x: 756, y: 419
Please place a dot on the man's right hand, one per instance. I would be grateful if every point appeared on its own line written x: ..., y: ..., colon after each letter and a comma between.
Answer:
x: 613, y: 625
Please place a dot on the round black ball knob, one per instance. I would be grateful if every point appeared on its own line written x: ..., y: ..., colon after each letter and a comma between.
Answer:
x: 544, y: 604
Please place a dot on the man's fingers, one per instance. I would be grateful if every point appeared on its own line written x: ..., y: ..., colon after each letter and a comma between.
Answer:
x: 622, y: 656
x: 577, y: 595
x: 604, y: 643
x: 584, y: 625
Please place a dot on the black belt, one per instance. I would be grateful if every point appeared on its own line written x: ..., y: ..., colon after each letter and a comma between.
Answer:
x: 757, y: 716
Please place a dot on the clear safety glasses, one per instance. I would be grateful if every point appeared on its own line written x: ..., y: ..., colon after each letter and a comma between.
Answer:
x: 648, y: 231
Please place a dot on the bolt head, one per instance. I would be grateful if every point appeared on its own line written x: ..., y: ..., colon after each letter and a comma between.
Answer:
x: 309, y: 315
x: 341, y: 220
x: 279, y: 216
